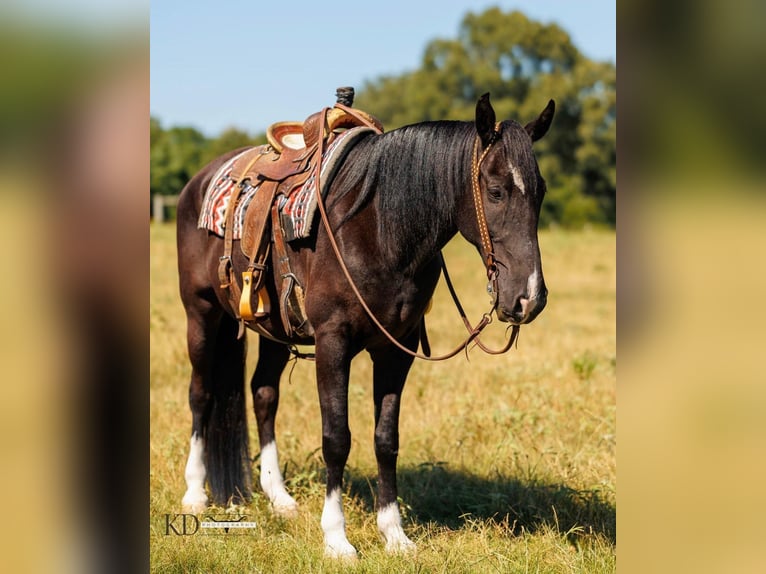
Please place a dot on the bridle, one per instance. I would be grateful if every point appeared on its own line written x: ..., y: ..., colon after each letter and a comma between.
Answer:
x: 481, y: 217
x: 486, y: 241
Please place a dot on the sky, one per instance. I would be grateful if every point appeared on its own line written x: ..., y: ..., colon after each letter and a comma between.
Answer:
x: 224, y: 63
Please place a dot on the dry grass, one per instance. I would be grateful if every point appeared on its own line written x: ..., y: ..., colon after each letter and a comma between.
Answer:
x: 507, y: 464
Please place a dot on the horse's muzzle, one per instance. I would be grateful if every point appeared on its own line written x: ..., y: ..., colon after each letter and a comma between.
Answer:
x: 524, y: 309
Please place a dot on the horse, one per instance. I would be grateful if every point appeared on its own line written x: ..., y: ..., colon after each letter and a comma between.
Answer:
x: 393, y: 204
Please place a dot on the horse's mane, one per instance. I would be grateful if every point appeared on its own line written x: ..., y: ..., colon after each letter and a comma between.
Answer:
x: 415, y: 175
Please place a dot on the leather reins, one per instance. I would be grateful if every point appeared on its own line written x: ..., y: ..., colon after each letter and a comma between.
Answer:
x: 486, y: 241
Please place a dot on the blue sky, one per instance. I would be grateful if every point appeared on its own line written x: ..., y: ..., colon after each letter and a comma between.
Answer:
x: 251, y: 63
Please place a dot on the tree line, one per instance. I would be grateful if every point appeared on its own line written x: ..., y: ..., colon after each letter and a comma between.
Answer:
x: 521, y: 62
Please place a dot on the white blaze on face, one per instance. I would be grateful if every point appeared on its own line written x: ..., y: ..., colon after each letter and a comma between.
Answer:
x: 517, y: 179
x: 195, y: 499
x: 390, y: 527
x: 272, y: 482
x: 336, y: 545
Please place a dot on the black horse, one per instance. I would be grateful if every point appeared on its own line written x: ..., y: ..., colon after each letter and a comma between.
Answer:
x: 393, y: 204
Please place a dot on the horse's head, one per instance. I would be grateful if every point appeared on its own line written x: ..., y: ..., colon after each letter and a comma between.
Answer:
x: 507, y: 192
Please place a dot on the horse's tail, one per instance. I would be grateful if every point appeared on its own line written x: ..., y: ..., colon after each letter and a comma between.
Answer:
x: 227, y: 452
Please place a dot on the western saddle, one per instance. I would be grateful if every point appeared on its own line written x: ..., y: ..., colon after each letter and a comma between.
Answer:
x: 279, y: 168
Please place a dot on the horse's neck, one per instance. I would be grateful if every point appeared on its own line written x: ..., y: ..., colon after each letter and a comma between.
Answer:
x: 421, y: 232
x: 414, y: 179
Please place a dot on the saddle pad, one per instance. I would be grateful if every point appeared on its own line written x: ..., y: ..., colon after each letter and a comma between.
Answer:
x: 213, y: 213
x: 297, y: 211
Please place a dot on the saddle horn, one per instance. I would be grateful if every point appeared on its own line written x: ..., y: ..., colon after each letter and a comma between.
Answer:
x: 337, y: 118
x: 345, y: 95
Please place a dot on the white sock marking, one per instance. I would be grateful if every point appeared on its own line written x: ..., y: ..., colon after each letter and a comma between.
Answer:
x: 195, y: 499
x: 336, y: 545
x: 390, y: 527
x: 273, y: 484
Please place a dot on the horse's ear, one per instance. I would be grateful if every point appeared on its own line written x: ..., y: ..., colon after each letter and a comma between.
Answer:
x: 539, y: 127
x: 485, y: 120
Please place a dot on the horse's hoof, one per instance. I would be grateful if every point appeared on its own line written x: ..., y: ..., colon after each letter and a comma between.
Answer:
x: 390, y: 528
x: 401, y: 546
x: 284, y: 505
x: 285, y: 511
x: 194, y: 502
x: 340, y: 550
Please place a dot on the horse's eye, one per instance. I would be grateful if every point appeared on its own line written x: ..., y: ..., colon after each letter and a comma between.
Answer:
x: 495, y: 193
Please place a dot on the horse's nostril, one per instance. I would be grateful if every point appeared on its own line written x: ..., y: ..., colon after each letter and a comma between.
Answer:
x: 519, y: 311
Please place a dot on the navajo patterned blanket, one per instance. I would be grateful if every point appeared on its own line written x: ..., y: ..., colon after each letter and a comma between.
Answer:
x: 213, y: 214
x: 297, y: 211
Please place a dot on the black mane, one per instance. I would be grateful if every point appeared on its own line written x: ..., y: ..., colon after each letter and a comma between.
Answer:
x: 415, y: 175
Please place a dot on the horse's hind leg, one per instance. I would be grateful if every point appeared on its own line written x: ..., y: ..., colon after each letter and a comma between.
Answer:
x: 272, y: 359
x: 390, y: 368
x: 201, y: 328
x: 219, y: 443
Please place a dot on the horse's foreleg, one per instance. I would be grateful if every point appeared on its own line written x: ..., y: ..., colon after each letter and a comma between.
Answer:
x: 200, y: 327
x: 272, y: 358
x: 332, y: 367
x: 390, y: 368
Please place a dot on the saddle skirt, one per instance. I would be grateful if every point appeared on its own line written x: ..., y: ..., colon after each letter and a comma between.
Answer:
x: 297, y: 209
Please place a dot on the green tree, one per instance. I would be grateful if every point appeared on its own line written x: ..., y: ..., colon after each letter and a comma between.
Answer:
x: 179, y: 152
x: 230, y: 139
x: 176, y: 155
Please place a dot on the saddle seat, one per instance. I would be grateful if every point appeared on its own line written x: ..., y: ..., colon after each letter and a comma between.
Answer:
x: 305, y: 134
x: 293, y: 147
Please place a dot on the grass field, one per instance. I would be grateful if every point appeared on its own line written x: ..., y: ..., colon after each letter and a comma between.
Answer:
x: 507, y: 463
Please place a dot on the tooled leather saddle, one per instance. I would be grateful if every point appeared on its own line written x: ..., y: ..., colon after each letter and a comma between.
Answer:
x: 278, y: 169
